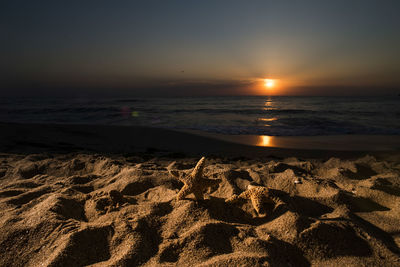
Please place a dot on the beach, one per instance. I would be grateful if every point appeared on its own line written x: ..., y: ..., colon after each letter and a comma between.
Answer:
x: 76, y: 195
x: 200, y: 133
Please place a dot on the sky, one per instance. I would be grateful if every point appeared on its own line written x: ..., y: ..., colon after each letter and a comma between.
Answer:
x: 162, y: 48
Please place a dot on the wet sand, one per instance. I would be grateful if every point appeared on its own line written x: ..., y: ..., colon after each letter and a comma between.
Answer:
x: 32, y: 138
x: 328, y: 142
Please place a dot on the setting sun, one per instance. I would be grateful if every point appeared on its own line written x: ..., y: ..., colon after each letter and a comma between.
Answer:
x: 269, y: 83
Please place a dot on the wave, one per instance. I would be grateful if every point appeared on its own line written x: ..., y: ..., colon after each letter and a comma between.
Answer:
x: 241, y: 115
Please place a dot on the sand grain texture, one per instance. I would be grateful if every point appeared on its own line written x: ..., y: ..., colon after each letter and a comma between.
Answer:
x: 95, y: 210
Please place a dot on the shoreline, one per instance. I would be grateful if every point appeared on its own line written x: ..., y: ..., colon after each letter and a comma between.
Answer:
x: 354, y: 142
x: 64, y: 138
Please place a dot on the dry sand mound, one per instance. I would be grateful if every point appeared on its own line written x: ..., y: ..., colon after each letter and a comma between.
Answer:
x: 78, y: 210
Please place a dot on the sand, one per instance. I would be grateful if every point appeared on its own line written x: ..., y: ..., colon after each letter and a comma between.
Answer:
x: 68, y: 200
x: 323, y: 142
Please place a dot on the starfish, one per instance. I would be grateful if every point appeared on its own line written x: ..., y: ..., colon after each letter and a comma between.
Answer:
x: 259, y: 195
x: 194, y: 182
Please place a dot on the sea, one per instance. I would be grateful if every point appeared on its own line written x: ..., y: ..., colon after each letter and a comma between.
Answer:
x: 233, y: 115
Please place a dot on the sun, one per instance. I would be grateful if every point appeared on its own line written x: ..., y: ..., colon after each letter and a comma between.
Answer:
x: 269, y: 83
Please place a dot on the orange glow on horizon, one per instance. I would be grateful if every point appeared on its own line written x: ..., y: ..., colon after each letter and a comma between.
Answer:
x: 269, y: 87
x: 269, y: 83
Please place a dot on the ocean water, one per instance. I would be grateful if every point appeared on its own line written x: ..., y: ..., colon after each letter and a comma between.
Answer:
x: 276, y: 116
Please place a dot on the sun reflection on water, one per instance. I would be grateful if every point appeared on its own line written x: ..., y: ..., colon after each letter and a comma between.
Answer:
x: 268, y: 119
x: 269, y: 105
x: 265, y: 140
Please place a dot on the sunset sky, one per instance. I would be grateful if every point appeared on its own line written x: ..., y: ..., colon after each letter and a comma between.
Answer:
x: 159, y: 48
